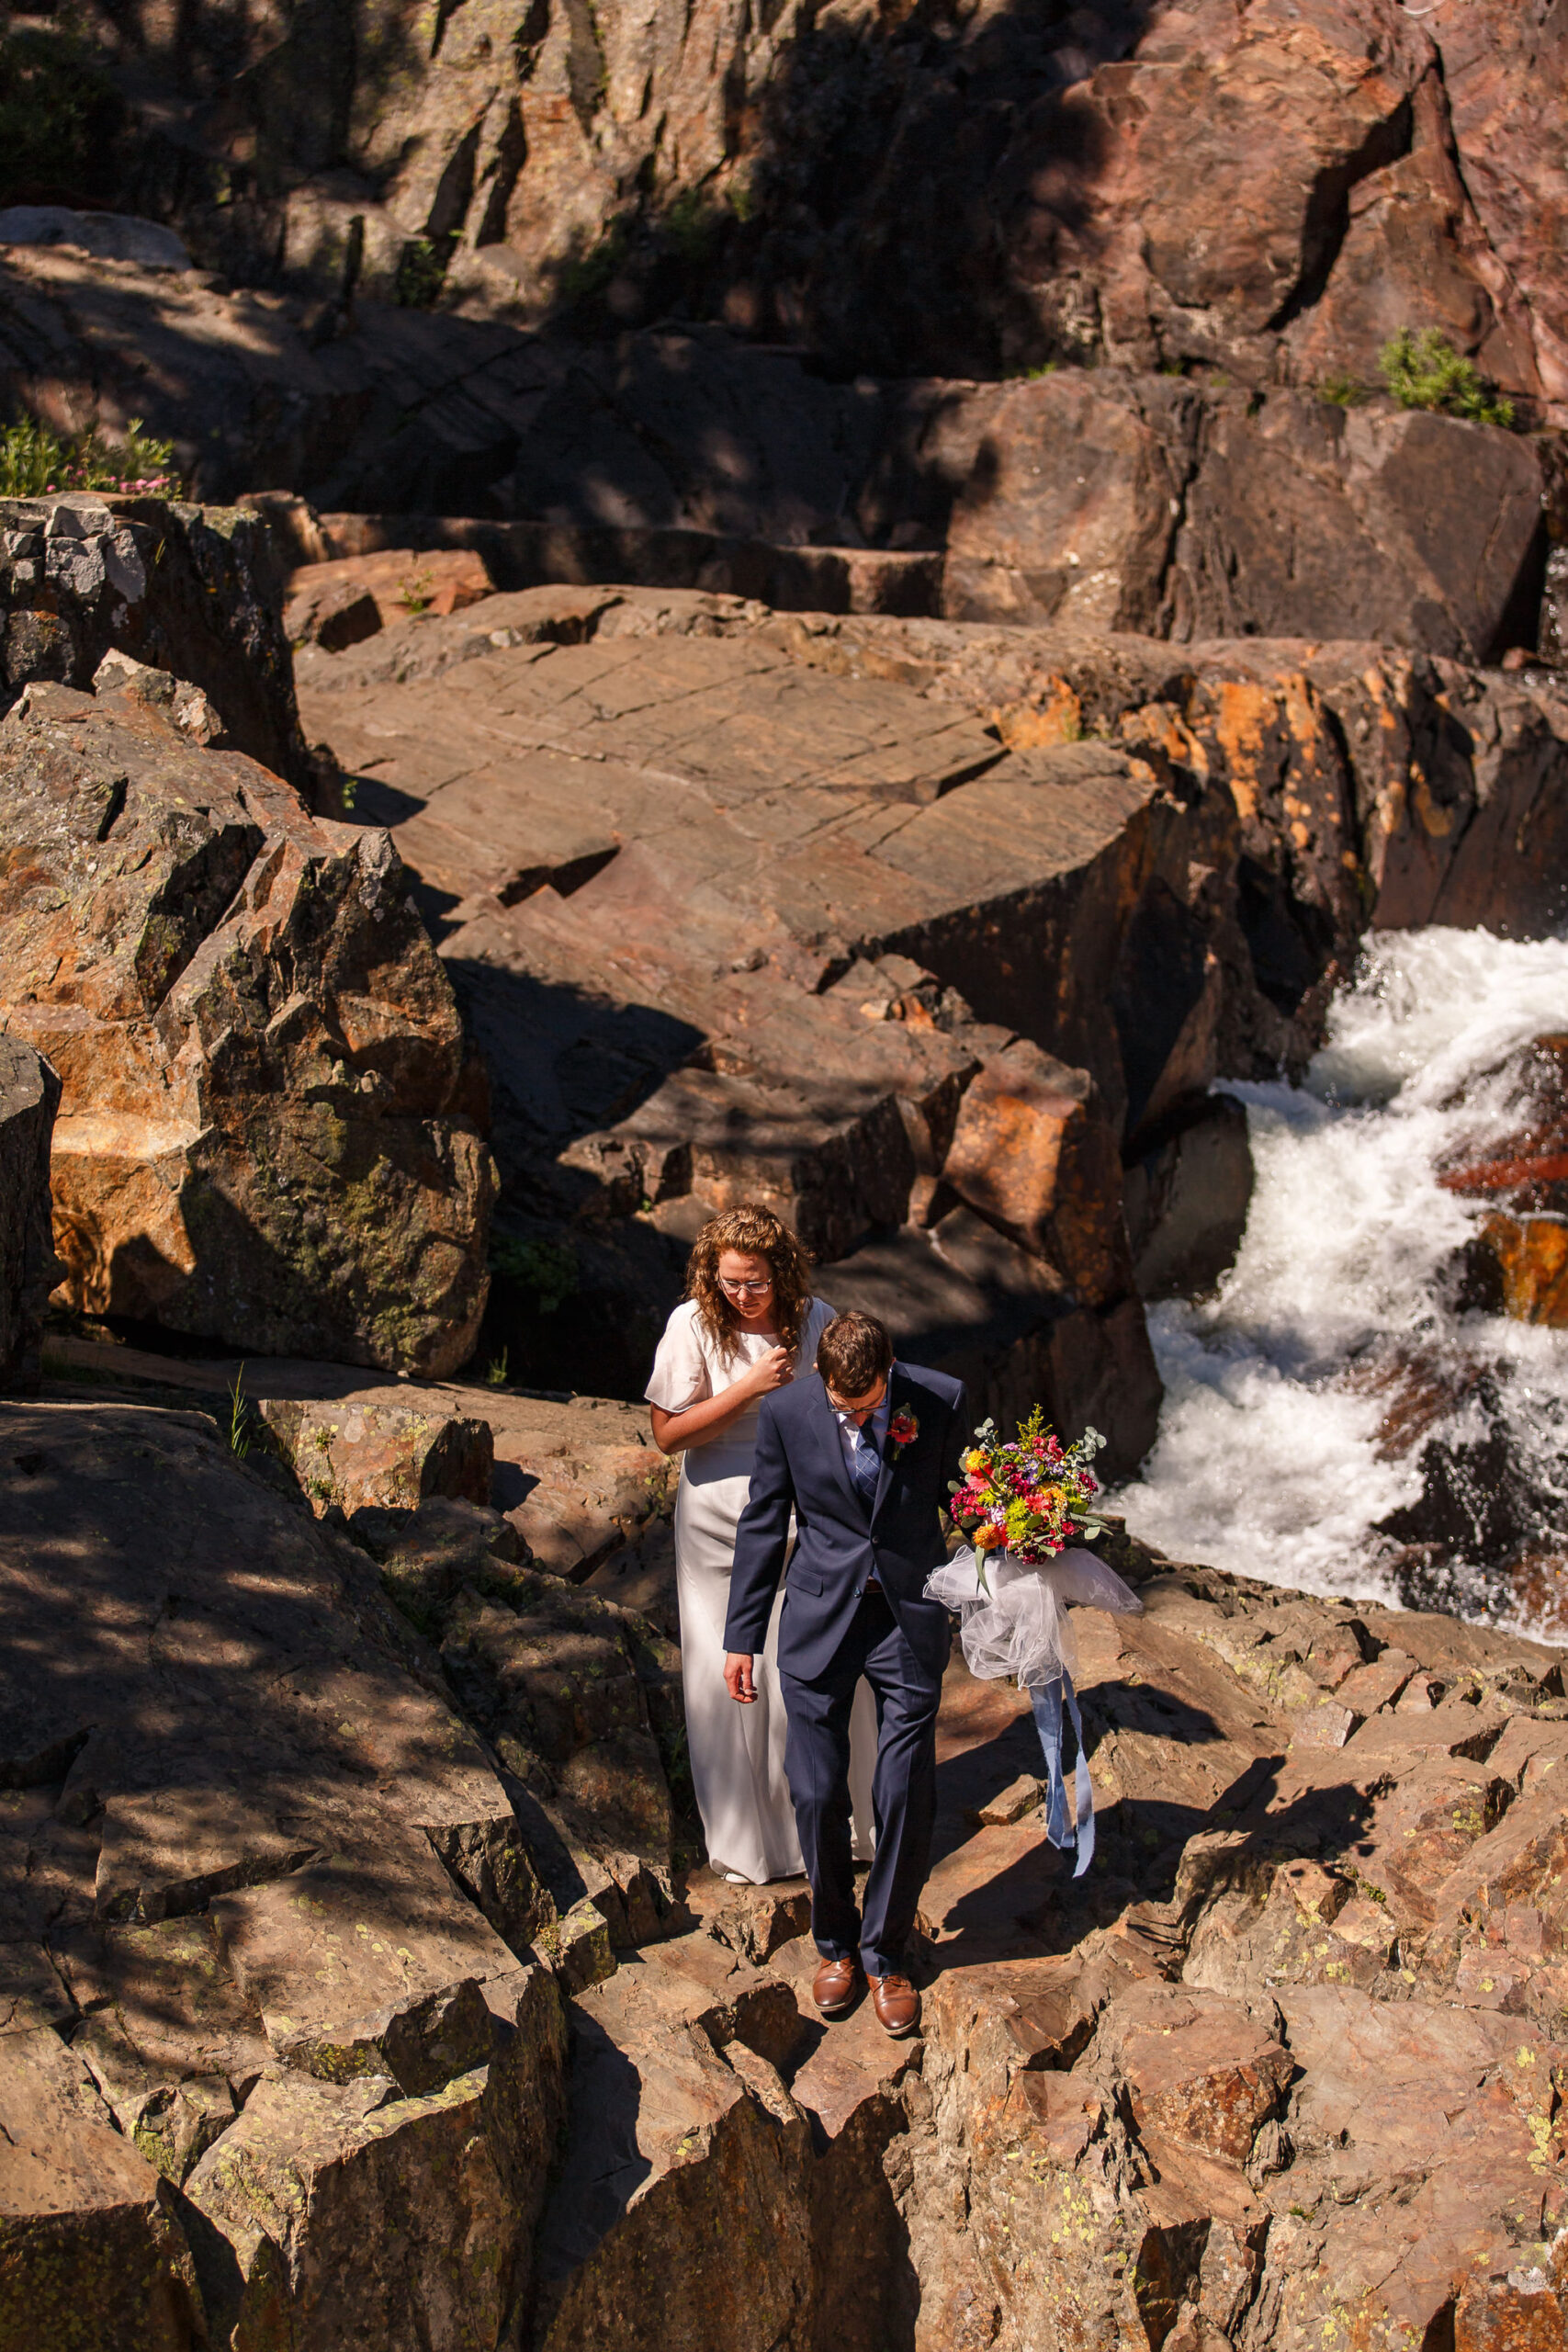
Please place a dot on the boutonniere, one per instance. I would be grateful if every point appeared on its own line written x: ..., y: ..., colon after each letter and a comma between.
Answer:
x: 903, y: 1430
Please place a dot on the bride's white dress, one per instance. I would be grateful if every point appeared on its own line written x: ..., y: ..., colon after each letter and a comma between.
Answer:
x: 738, y: 1753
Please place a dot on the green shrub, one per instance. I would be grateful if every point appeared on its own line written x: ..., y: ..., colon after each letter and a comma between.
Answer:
x: 33, y: 460
x: 1424, y: 371
x: 59, y: 112
x: 692, y: 227
x: 587, y: 276
x: 1342, y: 390
x: 547, y: 1269
x: 421, y: 273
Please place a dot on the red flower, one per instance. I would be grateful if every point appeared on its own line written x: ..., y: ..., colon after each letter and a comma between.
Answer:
x: 903, y: 1429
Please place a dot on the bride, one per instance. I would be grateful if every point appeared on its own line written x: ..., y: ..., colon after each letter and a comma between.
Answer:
x: 748, y: 1324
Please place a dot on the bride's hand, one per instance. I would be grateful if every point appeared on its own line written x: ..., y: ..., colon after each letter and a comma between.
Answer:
x: 775, y: 1370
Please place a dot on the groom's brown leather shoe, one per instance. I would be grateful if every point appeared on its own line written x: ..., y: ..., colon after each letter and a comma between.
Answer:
x: 833, y: 1987
x: 897, y: 2003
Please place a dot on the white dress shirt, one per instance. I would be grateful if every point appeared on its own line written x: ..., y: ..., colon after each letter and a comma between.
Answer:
x: 876, y: 1423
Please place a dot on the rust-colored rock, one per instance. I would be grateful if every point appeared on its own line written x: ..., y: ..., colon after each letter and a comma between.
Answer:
x: 363, y: 1454
x: 89, y: 2238
x: 334, y: 613
x: 1531, y: 1256
x: 1526, y: 1166
x: 326, y: 601
x: 265, y: 1129
x: 1032, y: 1152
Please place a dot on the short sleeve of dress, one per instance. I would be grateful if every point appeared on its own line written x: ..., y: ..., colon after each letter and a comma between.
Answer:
x: 680, y: 1375
x: 818, y: 1314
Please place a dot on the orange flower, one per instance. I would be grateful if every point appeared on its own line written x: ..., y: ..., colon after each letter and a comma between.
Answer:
x: 986, y: 1538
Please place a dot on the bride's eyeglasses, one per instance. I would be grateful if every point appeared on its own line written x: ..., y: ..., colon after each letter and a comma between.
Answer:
x: 744, y: 1290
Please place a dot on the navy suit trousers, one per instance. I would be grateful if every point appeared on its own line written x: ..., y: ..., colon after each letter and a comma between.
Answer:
x: 817, y: 1761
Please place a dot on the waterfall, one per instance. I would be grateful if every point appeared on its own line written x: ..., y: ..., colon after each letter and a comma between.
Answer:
x: 1340, y: 1415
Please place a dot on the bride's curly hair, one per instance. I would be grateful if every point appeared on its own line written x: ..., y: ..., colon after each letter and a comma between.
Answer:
x: 758, y: 1233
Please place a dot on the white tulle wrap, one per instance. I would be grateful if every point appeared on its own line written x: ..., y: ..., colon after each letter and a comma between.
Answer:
x: 1020, y: 1628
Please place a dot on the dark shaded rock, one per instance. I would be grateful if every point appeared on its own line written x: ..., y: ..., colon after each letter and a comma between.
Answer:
x: 29, y: 1096
x: 966, y: 1300
x: 1306, y: 520
x: 1187, y: 1201
x: 429, y: 1553
x: 333, y: 613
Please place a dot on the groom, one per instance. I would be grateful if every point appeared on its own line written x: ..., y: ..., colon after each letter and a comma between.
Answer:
x: 862, y: 1453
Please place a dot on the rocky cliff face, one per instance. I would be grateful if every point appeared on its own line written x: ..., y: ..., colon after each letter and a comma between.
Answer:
x: 1129, y: 500
x: 928, y: 189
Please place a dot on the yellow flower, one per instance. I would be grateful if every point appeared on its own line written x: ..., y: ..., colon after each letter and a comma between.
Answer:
x: 974, y: 1462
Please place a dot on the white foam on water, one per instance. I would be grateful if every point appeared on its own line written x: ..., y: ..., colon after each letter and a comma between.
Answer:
x: 1268, y: 1460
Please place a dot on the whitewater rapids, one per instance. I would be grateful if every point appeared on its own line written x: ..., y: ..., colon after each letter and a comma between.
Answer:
x: 1272, y: 1458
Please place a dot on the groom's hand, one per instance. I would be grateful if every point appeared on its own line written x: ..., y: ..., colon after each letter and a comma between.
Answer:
x: 737, y: 1678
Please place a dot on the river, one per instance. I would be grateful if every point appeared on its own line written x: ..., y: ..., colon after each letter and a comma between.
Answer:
x: 1335, y: 1381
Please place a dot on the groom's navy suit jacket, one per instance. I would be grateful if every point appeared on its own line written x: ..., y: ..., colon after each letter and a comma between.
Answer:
x: 800, y: 1464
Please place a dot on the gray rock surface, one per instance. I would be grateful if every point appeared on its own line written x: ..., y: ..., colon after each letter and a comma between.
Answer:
x: 108, y: 236
x: 194, y: 593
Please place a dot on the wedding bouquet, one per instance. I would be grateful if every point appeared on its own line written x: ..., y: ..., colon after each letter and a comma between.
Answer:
x: 1023, y: 1507
x: 1029, y: 1497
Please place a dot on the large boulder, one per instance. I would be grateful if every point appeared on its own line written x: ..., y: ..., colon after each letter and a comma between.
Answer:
x: 266, y: 1129
x: 29, y: 1095
x: 269, y: 1881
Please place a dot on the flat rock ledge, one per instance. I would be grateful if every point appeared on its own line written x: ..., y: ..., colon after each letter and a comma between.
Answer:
x: 325, y: 2018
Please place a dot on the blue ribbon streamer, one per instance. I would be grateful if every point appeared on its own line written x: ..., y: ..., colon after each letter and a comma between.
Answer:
x: 1046, y: 1701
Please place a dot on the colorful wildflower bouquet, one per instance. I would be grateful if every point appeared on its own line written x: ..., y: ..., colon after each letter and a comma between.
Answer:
x: 1029, y: 1497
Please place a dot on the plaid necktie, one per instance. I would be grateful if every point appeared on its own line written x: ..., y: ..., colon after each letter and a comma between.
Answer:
x: 867, y: 1465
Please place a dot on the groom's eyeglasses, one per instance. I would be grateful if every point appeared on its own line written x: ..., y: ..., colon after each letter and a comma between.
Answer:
x: 743, y: 1290
x: 862, y: 1409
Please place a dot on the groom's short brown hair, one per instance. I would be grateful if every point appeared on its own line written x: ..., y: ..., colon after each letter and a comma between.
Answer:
x: 853, y: 1353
